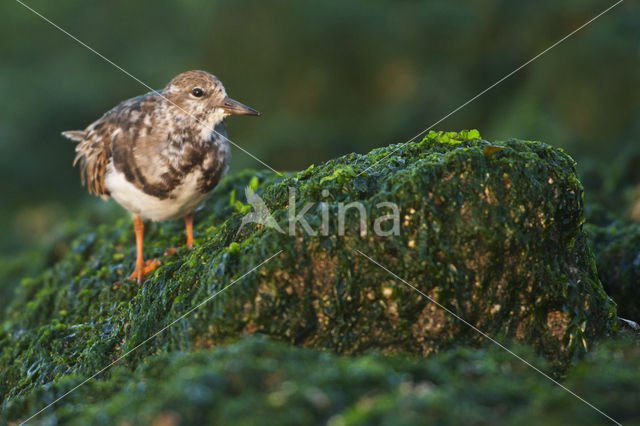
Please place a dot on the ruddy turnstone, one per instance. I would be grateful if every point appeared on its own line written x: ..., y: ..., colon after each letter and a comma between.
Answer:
x: 160, y: 154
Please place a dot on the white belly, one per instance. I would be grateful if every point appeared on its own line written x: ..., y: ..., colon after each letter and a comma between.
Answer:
x: 184, y: 199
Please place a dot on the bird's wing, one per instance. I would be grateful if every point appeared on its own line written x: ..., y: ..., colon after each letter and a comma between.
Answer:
x: 94, y: 150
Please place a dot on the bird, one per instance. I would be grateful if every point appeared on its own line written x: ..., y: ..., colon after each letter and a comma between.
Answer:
x: 159, y: 155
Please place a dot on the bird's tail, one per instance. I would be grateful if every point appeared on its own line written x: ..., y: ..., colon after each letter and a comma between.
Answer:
x: 75, y: 135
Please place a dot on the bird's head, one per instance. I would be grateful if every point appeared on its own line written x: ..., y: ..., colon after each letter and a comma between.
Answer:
x: 203, y: 96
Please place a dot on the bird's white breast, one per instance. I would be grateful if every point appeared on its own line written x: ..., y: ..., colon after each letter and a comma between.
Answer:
x: 184, y: 199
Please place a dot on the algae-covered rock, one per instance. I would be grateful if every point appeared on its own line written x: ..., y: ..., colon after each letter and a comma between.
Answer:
x: 608, y: 379
x: 617, y: 251
x: 257, y: 381
x: 49, y: 250
x: 492, y: 232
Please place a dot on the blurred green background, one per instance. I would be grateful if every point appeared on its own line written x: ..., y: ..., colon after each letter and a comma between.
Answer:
x: 330, y: 78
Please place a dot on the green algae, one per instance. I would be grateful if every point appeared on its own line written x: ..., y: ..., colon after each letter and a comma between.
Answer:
x: 617, y: 251
x: 258, y: 381
x: 496, y: 238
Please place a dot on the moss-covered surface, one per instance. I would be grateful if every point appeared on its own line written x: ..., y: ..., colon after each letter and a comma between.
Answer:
x: 613, y: 191
x: 257, y: 381
x: 52, y: 248
x: 493, y: 233
x: 617, y: 251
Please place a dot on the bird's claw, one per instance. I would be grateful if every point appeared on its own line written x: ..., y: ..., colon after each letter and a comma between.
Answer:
x: 149, y: 266
x: 170, y: 251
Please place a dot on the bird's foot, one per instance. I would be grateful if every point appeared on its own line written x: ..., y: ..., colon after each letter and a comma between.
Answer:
x: 149, y: 266
x: 172, y: 250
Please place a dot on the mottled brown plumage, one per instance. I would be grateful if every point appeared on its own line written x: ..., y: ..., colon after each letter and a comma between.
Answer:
x: 160, y: 154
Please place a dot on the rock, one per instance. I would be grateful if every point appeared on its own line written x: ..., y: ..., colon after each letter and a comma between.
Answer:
x: 493, y: 232
x: 617, y: 251
x: 257, y: 381
x: 608, y: 378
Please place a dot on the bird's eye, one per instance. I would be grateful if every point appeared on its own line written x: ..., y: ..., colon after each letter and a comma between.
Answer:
x: 197, y: 92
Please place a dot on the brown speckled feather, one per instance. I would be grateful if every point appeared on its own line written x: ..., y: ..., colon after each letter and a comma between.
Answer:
x: 93, y: 153
x: 94, y: 149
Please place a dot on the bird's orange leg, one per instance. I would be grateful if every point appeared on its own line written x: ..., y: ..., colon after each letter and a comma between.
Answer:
x: 188, y: 221
x: 142, y: 267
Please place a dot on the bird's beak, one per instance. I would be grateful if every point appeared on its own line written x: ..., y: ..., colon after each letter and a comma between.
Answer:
x: 234, y: 107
